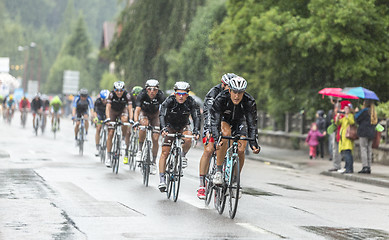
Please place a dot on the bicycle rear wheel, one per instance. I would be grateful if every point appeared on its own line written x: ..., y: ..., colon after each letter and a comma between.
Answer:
x: 177, y: 174
x: 132, y: 151
x: 146, y: 163
x: 234, y: 188
x: 116, y: 156
x: 208, y: 179
x: 103, y: 144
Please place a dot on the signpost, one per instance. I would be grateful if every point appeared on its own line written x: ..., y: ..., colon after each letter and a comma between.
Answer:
x: 32, y: 87
x: 71, y: 81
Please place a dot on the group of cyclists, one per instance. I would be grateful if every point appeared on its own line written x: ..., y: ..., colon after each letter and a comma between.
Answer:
x: 228, y: 110
x: 39, y: 105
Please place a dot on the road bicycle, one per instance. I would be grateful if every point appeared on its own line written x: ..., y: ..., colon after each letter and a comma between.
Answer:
x: 116, y: 143
x: 145, y: 160
x: 231, y: 178
x: 103, y: 141
x: 43, y: 124
x: 173, y: 171
x: 133, y: 148
x: 208, y: 177
x: 37, y: 122
x: 55, y: 127
x: 23, y: 118
x: 81, y: 134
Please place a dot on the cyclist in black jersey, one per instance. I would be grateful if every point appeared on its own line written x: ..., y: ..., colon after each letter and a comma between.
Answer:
x: 81, y: 106
x: 231, y: 110
x: 147, y: 111
x: 174, y: 117
x: 99, y: 116
x: 118, y: 105
x: 36, y: 107
x: 208, y: 140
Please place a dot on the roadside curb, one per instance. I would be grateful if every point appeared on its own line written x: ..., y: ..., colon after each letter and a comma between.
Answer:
x: 373, y: 180
x: 270, y: 161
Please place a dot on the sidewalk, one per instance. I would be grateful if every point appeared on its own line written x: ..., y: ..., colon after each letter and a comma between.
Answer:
x: 299, y: 159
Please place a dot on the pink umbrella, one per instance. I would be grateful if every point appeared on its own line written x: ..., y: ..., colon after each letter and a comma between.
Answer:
x: 335, y: 92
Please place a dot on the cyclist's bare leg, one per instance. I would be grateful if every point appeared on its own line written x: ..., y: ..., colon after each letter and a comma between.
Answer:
x: 109, y: 139
x: 33, y: 119
x: 76, y: 128
x: 142, y: 134
x: 241, y: 152
x: 221, y: 152
x: 204, y: 161
x: 124, y: 118
x: 155, y: 146
x: 86, y: 122
x: 187, y: 142
x: 97, y: 136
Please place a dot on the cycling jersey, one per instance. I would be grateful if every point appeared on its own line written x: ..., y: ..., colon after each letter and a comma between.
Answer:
x: 10, y: 103
x: 100, y: 109
x: 208, y: 102
x: 224, y: 110
x: 176, y: 116
x: 149, y: 105
x: 82, y: 105
x: 46, y: 104
x: 56, y: 103
x: 36, y: 104
x: 24, y: 103
x: 118, y: 104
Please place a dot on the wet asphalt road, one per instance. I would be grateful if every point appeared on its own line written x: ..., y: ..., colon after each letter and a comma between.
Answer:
x: 48, y: 191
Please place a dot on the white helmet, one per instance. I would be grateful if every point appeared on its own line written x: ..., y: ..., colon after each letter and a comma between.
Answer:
x: 238, y: 84
x: 182, y: 86
x: 152, y: 83
x: 227, y: 77
x: 119, y: 85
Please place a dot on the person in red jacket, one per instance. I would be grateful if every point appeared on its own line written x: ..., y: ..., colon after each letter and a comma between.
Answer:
x: 24, y: 106
x: 313, y: 140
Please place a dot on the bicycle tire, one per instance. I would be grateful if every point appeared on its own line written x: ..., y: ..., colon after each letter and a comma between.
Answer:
x: 103, y: 143
x: 146, y: 163
x: 132, y: 151
x: 177, y: 174
x: 233, y: 196
x: 117, y: 154
x: 208, y: 179
x: 168, y: 176
x: 24, y: 119
x: 220, y: 194
x: 36, y: 127
x: 55, y: 127
x: 81, y: 141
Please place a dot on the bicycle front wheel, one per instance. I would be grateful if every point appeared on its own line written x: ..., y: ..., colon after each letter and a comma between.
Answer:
x: 103, y: 144
x: 146, y: 163
x: 116, y: 158
x: 81, y: 141
x: 177, y: 174
x: 234, y: 188
x: 208, y: 179
x: 132, y: 151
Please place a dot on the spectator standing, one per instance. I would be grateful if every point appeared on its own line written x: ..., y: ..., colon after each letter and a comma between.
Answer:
x: 335, y: 136
x: 367, y: 121
x: 321, y: 127
x: 313, y: 140
x: 344, y: 119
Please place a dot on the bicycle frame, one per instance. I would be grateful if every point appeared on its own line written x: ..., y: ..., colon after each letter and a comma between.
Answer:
x: 116, y: 143
x: 145, y: 160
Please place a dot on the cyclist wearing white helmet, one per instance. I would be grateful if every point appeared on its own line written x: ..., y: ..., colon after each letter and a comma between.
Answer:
x: 174, y: 117
x: 231, y: 111
x: 81, y: 106
x: 118, y: 105
x: 99, y: 115
x: 207, y: 138
x: 147, y: 112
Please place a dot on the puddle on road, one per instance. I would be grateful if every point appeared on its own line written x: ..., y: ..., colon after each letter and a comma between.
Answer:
x: 348, y: 233
x: 289, y: 187
x: 35, y: 159
x: 257, y: 192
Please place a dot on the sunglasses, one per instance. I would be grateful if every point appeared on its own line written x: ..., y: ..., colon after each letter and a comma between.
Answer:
x: 181, y: 93
x: 119, y: 90
x: 152, y: 88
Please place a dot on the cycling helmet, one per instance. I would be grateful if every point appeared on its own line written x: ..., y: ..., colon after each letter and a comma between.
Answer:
x: 38, y: 95
x: 238, y: 84
x: 84, y: 92
x: 152, y: 83
x: 44, y: 97
x: 227, y: 77
x: 119, y: 85
x: 136, y: 90
x: 11, y: 96
x: 104, y: 94
x: 182, y: 86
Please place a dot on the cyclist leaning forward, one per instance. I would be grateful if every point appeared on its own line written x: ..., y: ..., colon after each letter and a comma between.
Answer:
x: 147, y: 112
x: 81, y: 104
x: 208, y: 141
x: 56, y: 105
x: 24, y: 105
x: 118, y: 105
x: 231, y: 111
x: 99, y: 116
x: 174, y: 117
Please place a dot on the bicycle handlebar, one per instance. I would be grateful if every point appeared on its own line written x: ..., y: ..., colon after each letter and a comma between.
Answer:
x: 180, y: 135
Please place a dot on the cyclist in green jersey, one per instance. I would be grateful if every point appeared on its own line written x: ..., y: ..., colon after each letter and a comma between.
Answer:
x: 55, y: 109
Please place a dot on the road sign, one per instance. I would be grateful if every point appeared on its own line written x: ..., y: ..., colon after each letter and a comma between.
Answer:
x: 4, y: 64
x: 71, y: 81
x: 32, y: 87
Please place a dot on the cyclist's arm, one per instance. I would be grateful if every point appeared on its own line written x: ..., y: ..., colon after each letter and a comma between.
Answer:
x: 162, y: 114
x: 195, y: 112
x: 251, y: 120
